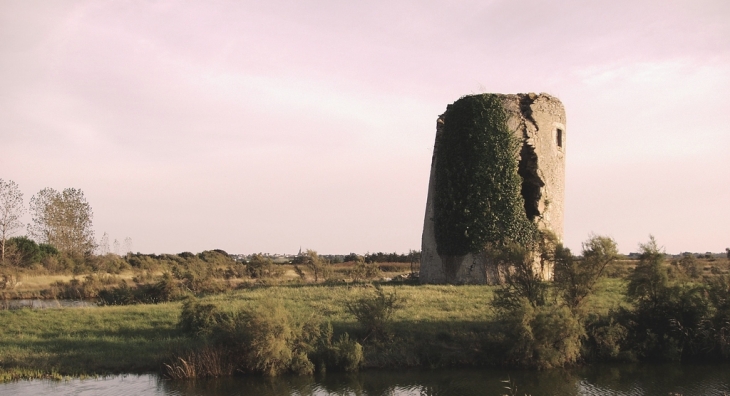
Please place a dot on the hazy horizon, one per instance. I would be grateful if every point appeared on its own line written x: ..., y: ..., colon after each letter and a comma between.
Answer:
x: 255, y: 127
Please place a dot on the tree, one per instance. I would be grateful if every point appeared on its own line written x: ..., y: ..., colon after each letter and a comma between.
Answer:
x: 11, y: 208
x: 260, y: 266
x: 104, y: 245
x: 576, y: 279
x: 318, y: 266
x: 63, y: 220
x: 128, y: 245
x: 649, y: 279
x: 690, y: 266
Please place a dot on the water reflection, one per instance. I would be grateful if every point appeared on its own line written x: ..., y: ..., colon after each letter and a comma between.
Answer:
x: 594, y: 380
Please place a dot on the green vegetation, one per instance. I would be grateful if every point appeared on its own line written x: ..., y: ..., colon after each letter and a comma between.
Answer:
x: 305, y: 327
x: 63, y: 220
x: 478, y: 199
x: 141, y: 338
x: 268, y: 318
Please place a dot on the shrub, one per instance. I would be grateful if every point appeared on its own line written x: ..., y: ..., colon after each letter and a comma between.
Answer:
x: 206, y: 362
x: 362, y: 270
x: 76, y: 289
x: 690, y: 266
x: 605, y: 338
x: 343, y: 354
x: 269, y: 341
x: 199, y: 319
x: 260, y: 267
x: 522, y: 279
x: 374, y: 312
x: 120, y: 295
x: 542, y: 337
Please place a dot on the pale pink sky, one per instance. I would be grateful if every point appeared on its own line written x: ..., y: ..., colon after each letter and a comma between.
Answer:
x: 266, y: 126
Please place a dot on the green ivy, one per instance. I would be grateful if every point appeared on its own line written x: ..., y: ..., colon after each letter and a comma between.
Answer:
x: 477, y: 193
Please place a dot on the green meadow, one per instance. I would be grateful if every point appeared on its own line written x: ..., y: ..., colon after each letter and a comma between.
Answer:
x: 437, y: 325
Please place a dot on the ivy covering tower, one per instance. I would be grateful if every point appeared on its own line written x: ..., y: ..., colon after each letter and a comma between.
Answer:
x: 497, y: 177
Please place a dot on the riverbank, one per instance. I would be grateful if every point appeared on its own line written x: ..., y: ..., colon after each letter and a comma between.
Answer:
x: 437, y: 326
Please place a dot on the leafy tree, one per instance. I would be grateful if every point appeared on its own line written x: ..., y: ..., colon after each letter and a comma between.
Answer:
x: 319, y: 267
x: 28, y: 252
x: 575, y: 279
x: 63, y: 220
x: 11, y: 209
x: 649, y: 278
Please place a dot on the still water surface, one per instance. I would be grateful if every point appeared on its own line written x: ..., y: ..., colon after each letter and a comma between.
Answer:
x: 595, y: 380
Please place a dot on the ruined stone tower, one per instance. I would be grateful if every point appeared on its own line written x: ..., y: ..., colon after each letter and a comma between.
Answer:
x: 498, y: 171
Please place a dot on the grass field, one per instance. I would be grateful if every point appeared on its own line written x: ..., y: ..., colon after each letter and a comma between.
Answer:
x: 438, y: 325
x: 32, y: 284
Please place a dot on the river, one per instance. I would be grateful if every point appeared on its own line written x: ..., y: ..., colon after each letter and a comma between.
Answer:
x: 604, y: 379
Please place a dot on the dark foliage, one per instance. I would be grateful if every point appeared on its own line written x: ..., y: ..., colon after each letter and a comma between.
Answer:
x: 478, y: 197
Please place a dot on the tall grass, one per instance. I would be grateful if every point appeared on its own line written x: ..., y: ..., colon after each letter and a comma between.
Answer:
x: 438, y: 325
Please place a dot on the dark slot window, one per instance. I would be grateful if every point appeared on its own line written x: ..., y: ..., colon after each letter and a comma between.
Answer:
x: 559, y: 137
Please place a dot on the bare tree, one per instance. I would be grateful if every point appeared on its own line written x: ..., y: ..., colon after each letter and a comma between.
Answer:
x: 11, y: 209
x: 116, y: 247
x: 127, y: 245
x: 63, y: 220
x: 104, y: 245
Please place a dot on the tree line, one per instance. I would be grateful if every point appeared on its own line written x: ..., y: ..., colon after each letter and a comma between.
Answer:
x: 413, y: 256
x: 61, y: 222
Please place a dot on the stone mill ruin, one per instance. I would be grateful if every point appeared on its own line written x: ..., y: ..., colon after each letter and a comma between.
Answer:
x: 497, y: 173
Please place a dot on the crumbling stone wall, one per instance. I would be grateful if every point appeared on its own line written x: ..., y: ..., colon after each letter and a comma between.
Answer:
x: 537, y: 126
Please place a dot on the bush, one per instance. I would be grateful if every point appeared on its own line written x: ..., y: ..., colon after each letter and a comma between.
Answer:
x: 690, y: 266
x: 260, y: 267
x: 120, y: 295
x: 344, y: 354
x: 542, y: 337
x: 75, y: 289
x: 206, y: 362
x: 265, y: 339
x: 374, y: 312
x: 166, y: 289
x: 606, y: 338
x: 362, y: 270
x: 272, y: 342
x: 523, y: 281
x: 199, y: 319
